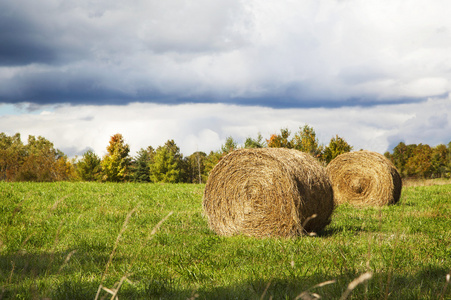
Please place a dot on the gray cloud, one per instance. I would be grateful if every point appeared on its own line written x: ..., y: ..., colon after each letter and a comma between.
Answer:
x: 276, y: 53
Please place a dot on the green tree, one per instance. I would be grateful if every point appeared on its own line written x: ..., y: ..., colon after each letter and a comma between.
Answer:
x: 116, y: 164
x: 196, y: 167
x: 178, y: 156
x: 141, y: 165
x: 259, y: 142
x: 212, y: 159
x: 401, y: 154
x: 164, y: 167
x: 337, y: 146
x: 448, y: 161
x: 305, y: 140
x: 89, y: 167
x: 167, y: 162
x: 439, y: 160
x: 229, y: 145
x: 210, y: 162
x: 420, y: 163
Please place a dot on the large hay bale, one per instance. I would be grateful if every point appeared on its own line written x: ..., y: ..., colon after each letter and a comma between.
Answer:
x: 364, y: 178
x: 268, y: 192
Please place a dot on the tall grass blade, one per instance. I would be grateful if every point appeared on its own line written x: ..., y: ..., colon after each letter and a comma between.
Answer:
x: 306, y: 295
x: 448, y: 282
x: 66, y: 260
x: 351, y: 286
x: 124, y: 226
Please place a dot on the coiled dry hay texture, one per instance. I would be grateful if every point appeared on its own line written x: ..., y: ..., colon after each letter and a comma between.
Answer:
x: 268, y: 192
x: 364, y: 178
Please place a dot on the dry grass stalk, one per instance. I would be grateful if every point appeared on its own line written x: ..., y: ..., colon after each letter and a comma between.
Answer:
x: 353, y: 284
x: 265, y: 291
x: 448, y: 282
x: 66, y: 260
x: 307, y: 295
x: 149, y: 237
x: 156, y: 227
x: 57, y: 202
x: 268, y: 192
x: 124, y: 226
x: 50, y: 214
x: 11, y: 273
x: 113, y: 291
x: 364, y: 178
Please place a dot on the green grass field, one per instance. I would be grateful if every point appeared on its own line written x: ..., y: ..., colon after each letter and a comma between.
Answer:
x: 65, y: 240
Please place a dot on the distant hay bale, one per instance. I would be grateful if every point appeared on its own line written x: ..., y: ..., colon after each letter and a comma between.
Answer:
x: 364, y: 178
x: 268, y: 192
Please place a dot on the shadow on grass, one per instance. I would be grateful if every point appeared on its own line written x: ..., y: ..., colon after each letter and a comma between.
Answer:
x: 22, y: 274
x: 340, y: 229
x: 24, y: 264
x: 428, y: 283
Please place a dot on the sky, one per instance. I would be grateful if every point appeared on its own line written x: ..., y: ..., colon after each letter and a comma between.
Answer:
x: 375, y: 72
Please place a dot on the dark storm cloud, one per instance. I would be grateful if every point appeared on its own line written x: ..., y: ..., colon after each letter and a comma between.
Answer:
x: 32, y: 35
x: 19, y: 48
x: 22, y: 41
x: 279, y: 54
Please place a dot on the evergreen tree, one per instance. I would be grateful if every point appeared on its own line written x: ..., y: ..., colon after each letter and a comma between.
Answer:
x: 89, y: 167
x: 164, y: 167
x: 337, y: 146
x: 116, y: 164
x: 167, y: 164
x: 229, y: 145
x: 141, y: 168
x: 259, y: 142
x: 305, y: 140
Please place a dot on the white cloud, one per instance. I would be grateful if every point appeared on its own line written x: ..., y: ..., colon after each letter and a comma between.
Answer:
x: 205, y: 127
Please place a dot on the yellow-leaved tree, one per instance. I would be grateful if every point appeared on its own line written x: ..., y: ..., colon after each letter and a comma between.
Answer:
x: 116, y: 163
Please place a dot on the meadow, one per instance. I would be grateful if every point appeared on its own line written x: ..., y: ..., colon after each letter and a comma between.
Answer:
x: 151, y: 241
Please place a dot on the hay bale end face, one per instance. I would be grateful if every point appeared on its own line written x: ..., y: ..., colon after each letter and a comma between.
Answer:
x: 268, y: 192
x: 364, y: 178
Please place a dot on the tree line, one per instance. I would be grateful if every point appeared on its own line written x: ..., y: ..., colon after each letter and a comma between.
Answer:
x: 422, y: 160
x: 38, y: 160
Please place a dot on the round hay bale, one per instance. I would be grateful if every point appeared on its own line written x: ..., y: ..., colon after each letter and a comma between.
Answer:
x: 364, y: 178
x: 268, y: 192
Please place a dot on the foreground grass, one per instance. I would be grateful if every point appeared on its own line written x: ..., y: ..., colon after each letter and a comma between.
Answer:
x: 65, y: 240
